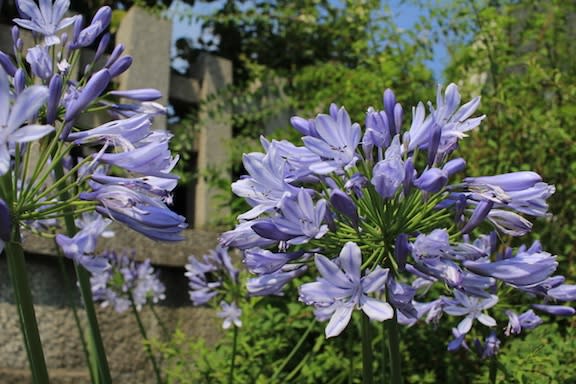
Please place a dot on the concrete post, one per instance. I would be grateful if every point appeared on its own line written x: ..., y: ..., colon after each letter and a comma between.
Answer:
x: 147, y: 38
x: 215, y: 134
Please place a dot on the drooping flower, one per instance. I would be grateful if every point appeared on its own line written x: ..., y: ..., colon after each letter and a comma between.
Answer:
x: 524, y: 269
x: 516, y: 323
x: 142, y: 212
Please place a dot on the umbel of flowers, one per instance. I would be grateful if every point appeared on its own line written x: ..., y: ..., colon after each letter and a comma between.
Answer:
x: 374, y: 216
x: 53, y: 168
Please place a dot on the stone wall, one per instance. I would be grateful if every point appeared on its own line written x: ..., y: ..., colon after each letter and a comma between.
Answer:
x: 60, y: 337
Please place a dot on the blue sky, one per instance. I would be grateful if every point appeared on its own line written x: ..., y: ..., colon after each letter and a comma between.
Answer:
x: 405, y: 15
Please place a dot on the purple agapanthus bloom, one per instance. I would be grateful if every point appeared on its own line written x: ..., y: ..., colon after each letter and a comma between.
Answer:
x: 491, y: 346
x: 126, y: 282
x: 273, y: 283
x: 5, y: 224
x: 300, y: 221
x: 472, y: 308
x: 231, y: 315
x: 40, y: 62
x: 206, y: 276
x: 524, y: 269
x: 121, y: 133
x: 336, y: 142
x: 388, y: 174
x: 516, y: 323
x: 523, y: 191
x: 266, y: 186
x: 453, y: 120
x: 152, y: 157
x: 436, y: 244
x: 341, y: 282
x: 142, y: 212
x: 556, y: 310
x: 99, y: 23
x: 80, y: 248
x: 14, y: 116
x: 563, y: 292
x: 46, y: 18
x: 263, y: 261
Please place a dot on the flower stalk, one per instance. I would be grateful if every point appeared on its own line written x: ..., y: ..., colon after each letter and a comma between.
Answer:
x: 24, y: 303
x: 83, y: 277
x: 367, y: 353
x: 144, y: 336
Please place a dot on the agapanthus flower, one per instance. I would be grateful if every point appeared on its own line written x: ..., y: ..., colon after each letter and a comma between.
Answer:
x: 300, y: 221
x: 206, y: 276
x: 5, y: 224
x: 127, y: 282
x: 336, y: 142
x: 524, y: 269
x: 343, y: 284
x: 142, y: 212
x: 14, y: 116
x: 516, y: 323
x: 393, y: 196
x: 231, y: 315
x: 46, y: 18
x: 472, y: 308
x: 81, y: 247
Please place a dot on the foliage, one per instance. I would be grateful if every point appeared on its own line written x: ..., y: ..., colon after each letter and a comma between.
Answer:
x: 545, y: 356
x: 519, y: 56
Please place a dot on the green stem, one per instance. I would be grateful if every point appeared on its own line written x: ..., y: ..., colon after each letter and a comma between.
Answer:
x: 24, y: 303
x: 493, y: 369
x: 233, y: 362
x: 367, y: 375
x: 145, y: 337
x: 394, y: 350
x: 293, y: 352
x: 69, y: 290
x: 86, y: 292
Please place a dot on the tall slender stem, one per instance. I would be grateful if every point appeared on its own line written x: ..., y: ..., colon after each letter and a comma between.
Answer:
x: 70, y: 289
x: 86, y: 293
x: 394, y: 350
x: 493, y: 369
x: 24, y: 303
x: 367, y: 356
x: 145, y: 337
x: 292, y: 353
x: 233, y: 358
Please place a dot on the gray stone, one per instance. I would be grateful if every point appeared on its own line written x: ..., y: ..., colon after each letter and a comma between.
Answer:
x: 54, y: 302
x: 147, y: 38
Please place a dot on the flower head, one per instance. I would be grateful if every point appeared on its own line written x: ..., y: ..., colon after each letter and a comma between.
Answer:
x: 343, y: 286
x: 46, y: 18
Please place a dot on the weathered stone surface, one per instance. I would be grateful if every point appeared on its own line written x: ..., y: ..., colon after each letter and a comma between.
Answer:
x: 147, y: 38
x: 196, y: 242
x: 58, y: 331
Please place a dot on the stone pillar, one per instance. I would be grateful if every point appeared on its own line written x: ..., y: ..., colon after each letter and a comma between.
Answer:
x: 147, y: 38
x: 214, y: 137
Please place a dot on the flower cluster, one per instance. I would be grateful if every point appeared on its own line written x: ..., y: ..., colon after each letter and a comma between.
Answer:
x: 212, y: 277
x: 375, y: 214
x: 51, y: 165
x: 126, y: 282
